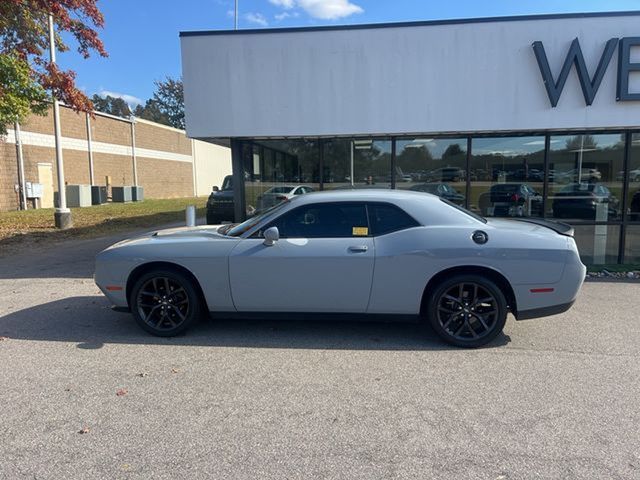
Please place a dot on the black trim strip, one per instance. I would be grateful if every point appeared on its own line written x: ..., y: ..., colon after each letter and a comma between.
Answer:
x: 422, y: 23
x: 544, y: 311
x: 314, y: 316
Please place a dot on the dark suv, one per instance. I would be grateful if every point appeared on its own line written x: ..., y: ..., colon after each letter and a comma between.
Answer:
x: 220, y: 203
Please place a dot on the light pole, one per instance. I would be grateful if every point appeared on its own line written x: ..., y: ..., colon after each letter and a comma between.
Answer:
x: 62, y: 215
x: 235, y: 15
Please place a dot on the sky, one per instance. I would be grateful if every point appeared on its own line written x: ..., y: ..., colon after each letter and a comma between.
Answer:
x: 142, y: 39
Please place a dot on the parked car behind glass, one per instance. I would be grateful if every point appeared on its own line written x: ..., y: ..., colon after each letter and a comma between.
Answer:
x: 280, y: 193
x: 583, y: 200
x: 510, y: 200
x: 443, y: 190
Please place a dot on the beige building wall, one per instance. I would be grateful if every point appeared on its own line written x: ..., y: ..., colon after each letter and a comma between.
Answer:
x: 212, y: 164
x: 169, y: 164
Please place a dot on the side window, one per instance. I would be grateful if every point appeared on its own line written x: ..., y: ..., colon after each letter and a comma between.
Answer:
x: 324, y: 220
x: 386, y: 218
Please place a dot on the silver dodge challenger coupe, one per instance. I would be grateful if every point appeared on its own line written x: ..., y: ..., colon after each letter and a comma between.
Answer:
x: 387, y: 254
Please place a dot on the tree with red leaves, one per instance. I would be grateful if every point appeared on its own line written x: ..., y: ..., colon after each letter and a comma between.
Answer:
x: 25, y: 71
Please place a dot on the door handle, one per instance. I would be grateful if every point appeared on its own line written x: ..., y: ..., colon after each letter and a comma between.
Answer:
x: 358, y: 248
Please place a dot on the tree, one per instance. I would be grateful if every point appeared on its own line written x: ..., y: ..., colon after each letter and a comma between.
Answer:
x: 453, y: 150
x: 169, y: 99
x: 25, y: 70
x: 19, y: 95
x: 581, y: 142
x: 111, y: 105
x: 151, y: 111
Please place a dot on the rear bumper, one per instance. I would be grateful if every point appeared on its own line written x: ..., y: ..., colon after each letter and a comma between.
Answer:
x: 552, y: 298
x: 544, y: 311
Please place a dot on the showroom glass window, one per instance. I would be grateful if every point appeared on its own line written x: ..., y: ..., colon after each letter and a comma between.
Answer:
x: 276, y: 169
x: 586, y: 177
x: 633, y: 196
x: 357, y: 163
x: 632, y: 241
x: 431, y: 165
x: 507, y: 176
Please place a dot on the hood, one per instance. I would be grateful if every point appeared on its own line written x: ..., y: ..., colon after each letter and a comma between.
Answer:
x: 179, y: 234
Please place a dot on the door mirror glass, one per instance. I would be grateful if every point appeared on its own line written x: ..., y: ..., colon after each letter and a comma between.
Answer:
x: 214, y: 188
x: 271, y: 236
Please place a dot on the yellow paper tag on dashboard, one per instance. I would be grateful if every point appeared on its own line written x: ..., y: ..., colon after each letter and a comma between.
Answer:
x: 360, y: 231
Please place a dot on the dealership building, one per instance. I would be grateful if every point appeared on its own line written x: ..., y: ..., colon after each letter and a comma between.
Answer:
x: 510, y: 116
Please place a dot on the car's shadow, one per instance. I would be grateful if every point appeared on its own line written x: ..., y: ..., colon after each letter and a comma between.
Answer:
x: 89, y: 322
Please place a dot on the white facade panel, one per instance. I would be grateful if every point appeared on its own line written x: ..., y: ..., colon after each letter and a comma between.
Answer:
x: 467, y: 77
x: 212, y: 164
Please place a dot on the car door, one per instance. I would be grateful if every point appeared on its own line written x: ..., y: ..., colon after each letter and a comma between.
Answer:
x: 323, y: 262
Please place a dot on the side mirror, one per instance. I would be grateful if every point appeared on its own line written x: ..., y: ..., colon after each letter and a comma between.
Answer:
x: 214, y: 189
x: 271, y: 236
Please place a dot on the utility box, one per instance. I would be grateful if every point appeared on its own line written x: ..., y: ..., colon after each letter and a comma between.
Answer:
x: 33, y: 190
x: 78, y: 195
x: 98, y: 195
x: 137, y: 194
x: 121, y: 194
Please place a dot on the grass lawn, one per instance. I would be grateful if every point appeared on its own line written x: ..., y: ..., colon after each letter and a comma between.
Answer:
x: 95, y: 221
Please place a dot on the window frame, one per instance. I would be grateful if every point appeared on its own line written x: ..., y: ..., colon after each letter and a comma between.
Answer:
x: 366, y: 204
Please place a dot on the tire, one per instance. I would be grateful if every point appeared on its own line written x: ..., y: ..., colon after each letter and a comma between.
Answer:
x: 467, y: 310
x: 162, y: 314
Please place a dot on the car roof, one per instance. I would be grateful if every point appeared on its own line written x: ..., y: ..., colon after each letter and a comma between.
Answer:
x: 365, y: 195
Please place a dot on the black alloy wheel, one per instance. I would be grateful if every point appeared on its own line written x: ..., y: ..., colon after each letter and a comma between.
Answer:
x: 468, y: 310
x: 165, y: 302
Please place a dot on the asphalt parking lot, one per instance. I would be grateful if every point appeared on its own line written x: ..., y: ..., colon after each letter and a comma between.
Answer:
x: 551, y: 398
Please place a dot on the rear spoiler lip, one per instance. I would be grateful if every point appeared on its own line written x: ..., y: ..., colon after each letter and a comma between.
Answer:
x: 558, y: 227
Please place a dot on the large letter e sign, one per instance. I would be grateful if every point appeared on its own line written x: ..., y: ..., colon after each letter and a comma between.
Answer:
x: 590, y: 85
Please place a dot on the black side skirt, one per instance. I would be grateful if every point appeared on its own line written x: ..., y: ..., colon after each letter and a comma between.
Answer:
x: 349, y: 317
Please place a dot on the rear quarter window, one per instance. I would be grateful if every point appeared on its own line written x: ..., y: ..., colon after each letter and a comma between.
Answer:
x: 386, y: 218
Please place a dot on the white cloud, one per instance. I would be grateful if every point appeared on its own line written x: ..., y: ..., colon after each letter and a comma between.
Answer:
x: 284, y: 15
x: 256, y: 18
x: 329, y: 9
x: 283, y: 3
x: 130, y: 99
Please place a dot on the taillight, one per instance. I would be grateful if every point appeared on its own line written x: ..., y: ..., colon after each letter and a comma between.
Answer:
x: 281, y: 197
x: 515, y: 198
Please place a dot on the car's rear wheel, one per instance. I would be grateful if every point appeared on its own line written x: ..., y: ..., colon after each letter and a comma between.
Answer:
x: 165, y: 302
x: 467, y: 310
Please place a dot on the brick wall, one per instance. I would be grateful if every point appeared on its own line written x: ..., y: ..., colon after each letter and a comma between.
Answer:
x: 164, y: 179
x: 8, y: 176
x: 164, y: 155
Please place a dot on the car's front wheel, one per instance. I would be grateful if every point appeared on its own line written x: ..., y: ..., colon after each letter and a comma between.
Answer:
x: 467, y: 310
x: 165, y: 302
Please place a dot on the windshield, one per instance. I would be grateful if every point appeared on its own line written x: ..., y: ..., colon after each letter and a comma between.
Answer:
x: 228, y: 183
x: 237, y: 229
x: 464, y: 210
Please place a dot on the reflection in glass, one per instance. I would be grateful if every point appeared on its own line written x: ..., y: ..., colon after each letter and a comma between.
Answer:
x: 632, y: 245
x: 633, y: 197
x: 276, y: 170
x: 598, y: 244
x: 584, y: 177
x: 507, y: 176
x: 357, y: 163
x: 436, y: 166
